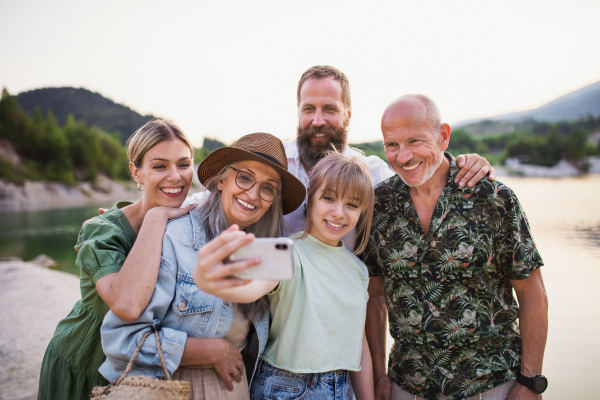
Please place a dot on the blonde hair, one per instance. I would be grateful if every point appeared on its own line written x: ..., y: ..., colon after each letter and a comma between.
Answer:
x: 149, y: 135
x: 346, y: 176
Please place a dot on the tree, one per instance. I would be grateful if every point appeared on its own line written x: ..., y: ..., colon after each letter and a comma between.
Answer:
x: 13, y: 121
x: 575, y: 144
x: 461, y: 142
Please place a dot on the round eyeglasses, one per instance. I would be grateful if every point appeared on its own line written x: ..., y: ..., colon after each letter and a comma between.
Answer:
x: 246, y: 181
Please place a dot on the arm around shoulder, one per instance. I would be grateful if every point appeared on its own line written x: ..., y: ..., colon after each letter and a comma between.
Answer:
x: 128, y: 292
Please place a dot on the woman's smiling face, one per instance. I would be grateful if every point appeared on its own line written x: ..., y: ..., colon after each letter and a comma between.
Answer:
x: 166, y: 173
x: 245, y: 207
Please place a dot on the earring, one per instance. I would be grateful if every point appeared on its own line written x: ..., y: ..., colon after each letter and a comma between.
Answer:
x: 142, y: 188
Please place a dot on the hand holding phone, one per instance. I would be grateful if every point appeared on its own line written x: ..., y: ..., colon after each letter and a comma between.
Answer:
x: 277, y: 262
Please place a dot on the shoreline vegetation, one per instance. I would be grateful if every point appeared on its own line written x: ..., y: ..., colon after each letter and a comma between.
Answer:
x: 37, y: 148
x: 566, y: 148
x: 44, y: 165
x: 44, y: 195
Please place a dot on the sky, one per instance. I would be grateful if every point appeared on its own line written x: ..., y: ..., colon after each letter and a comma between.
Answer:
x: 228, y: 68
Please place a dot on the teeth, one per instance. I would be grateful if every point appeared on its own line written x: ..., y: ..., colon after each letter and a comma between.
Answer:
x: 411, y: 168
x: 319, y: 135
x: 248, y: 205
x: 334, y: 225
x: 171, y: 191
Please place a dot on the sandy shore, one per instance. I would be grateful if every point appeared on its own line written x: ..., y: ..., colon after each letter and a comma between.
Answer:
x: 33, y: 300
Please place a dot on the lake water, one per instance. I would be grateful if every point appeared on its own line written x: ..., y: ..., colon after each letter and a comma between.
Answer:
x: 565, y: 218
x: 52, y: 232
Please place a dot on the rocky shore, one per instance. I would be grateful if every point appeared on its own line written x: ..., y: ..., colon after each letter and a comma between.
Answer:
x: 562, y: 169
x: 40, y: 195
x: 34, y: 299
x: 43, y: 195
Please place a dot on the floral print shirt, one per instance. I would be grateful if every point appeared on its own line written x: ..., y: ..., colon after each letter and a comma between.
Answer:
x: 451, y: 308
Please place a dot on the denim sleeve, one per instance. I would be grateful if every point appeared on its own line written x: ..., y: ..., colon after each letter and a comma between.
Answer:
x: 120, y: 338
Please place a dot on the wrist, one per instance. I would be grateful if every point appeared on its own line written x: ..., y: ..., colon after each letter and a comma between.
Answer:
x: 213, y: 349
x: 535, y: 383
x: 379, y: 373
x: 529, y: 370
x: 157, y: 216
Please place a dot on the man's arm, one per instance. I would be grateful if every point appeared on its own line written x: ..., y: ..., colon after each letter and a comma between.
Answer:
x: 376, y: 327
x: 533, y: 324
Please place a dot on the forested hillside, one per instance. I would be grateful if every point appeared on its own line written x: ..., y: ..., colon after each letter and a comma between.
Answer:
x: 532, y: 142
x: 68, y: 151
x: 49, y: 151
x: 85, y: 106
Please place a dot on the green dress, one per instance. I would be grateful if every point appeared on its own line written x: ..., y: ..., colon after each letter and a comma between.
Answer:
x: 70, y: 365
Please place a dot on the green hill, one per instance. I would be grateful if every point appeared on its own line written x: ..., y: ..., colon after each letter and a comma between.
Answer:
x: 85, y: 106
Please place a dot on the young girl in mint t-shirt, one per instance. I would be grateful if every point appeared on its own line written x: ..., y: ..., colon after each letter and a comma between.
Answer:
x: 317, y: 335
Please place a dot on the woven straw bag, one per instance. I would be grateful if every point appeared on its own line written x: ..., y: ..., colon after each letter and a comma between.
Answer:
x: 143, y: 387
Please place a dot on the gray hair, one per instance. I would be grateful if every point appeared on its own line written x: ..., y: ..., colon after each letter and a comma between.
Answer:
x: 214, y: 220
x: 432, y: 112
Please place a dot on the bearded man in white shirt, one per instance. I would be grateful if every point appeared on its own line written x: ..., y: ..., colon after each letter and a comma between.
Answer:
x: 324, y: 111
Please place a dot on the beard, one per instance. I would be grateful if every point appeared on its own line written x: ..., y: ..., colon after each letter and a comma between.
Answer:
x: 311, y: 153
x: 426, y: 175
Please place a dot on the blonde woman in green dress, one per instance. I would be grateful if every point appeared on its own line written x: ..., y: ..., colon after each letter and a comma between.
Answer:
x: 118, y: 255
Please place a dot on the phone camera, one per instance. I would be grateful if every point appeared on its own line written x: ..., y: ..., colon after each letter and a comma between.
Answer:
x: 281, y: 246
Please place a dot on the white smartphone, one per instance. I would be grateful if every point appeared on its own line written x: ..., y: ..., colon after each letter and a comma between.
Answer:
x: 277, y: 261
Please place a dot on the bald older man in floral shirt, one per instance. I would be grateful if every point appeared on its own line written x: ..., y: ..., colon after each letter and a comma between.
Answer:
x: 444, y: 261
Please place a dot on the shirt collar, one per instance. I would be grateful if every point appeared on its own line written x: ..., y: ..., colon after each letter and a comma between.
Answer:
x: 291, y: 149
x: 450, y: 184
x: 198, y: 232
x: 293, y: 153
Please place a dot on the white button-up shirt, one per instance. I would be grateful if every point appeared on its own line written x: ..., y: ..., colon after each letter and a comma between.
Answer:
x: 378, y: 169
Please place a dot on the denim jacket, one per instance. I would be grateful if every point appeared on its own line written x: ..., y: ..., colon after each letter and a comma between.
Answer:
x: 178, y: 309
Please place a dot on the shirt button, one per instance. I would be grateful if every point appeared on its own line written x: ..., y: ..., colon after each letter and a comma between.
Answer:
x: 227, y: 304
x: 182, y: 306
x: 425, y: 262
x: 427, y: 297
x: 430, y: 330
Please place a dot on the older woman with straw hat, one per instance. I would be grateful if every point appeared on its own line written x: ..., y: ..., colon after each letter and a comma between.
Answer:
x: 250, y: 190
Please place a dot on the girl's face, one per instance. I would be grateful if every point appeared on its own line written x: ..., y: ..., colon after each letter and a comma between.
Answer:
x: 332, y: 217
x: 166, y: 173
x: 245, y: 206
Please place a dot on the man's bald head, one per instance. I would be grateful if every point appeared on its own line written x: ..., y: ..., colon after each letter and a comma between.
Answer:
x: 415, y: 107
x: 414, y: 139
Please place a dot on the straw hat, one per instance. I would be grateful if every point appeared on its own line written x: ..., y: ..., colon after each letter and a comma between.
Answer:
x: 264, y: 148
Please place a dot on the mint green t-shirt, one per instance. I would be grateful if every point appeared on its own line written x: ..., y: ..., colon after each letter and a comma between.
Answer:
x: 318, y: 318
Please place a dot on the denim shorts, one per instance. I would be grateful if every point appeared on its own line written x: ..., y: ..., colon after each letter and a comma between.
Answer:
x: 272, y: 383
